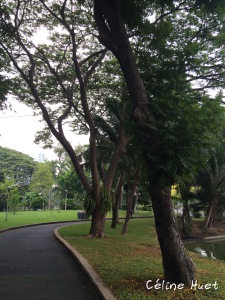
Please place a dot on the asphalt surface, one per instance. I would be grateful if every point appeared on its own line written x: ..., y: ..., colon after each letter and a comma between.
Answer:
x: 35, y: 266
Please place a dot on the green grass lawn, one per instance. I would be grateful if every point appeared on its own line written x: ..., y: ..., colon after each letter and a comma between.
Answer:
x: 35, y: 217
x: 126, y: 263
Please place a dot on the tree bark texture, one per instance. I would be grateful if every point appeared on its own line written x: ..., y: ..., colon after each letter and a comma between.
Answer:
x: 98, y: 223
x: 178, y: 268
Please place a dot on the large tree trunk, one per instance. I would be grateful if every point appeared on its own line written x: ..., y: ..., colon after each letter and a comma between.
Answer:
x: 178, y: 268
x: 97, y: 224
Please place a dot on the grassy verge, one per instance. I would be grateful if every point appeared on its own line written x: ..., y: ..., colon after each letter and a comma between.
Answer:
x: 126, y: 263
x: 35, y: 217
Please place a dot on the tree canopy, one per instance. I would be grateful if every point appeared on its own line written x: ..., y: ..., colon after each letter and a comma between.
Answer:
x: 6, y: 84
x: 59, y: 79
x: 16, y: 166
x: 42, y: 179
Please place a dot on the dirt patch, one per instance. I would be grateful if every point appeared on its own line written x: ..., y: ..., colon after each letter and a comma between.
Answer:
x: 217, y: 229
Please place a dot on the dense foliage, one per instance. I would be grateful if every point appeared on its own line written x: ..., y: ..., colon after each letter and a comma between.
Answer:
x: 16, y: 165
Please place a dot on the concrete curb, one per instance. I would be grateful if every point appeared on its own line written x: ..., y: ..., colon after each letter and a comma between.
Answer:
x: 205, y: 239
x: 102, y: 289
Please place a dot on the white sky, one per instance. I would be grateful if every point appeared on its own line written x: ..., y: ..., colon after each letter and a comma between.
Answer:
x: 17, y: 131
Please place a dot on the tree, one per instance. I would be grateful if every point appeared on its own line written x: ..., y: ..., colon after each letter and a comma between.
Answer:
x: 14, y: 198
x: 33, y: 200
x: 10, y: 194
x: 42, y: 181
x: 60, y: 72
x: 16, y: 165
x: 111, y: 125
x: 6, y: 84
x: 186, y: 196
x: 131, y: 191
x: 211, y: 181
x: 110, y: 18
x: 70, y: 182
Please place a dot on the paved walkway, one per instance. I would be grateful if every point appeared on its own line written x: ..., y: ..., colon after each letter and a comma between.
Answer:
x: 35, y: 266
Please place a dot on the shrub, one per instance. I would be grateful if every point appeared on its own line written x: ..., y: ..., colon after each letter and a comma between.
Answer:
x: 71, y: 204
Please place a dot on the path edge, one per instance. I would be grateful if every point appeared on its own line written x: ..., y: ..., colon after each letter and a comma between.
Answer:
x: 96, y: 280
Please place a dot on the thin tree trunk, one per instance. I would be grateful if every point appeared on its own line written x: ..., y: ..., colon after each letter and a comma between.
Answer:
x: 212, y: 217
x: 186, y: 220
x: 115, y: 210
x: 209, y: 214
x: 186, y: 211
x: 116, y: 200
x: 129, y: 206
x: 218, y: 216
x: 178, y: 268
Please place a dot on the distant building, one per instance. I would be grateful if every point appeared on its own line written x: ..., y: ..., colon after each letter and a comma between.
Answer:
x: 41, y: 158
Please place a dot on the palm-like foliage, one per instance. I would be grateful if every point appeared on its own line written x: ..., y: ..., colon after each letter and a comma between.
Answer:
x: 130, y: 164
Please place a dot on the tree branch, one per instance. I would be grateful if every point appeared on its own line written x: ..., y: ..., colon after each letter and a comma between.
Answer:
x: 93, y: 67
x: 81, y: 63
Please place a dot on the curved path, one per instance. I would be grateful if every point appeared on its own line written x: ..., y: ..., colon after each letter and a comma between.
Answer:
x: 35, y: 266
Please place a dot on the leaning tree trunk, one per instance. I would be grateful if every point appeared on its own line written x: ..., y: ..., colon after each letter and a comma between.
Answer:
x: 211, y: 220
x: 213, y: 214
x: 178, y: 268
x: 209, y: 215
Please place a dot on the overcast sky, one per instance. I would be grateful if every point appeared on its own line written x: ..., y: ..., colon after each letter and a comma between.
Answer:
x: 17, y: 131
